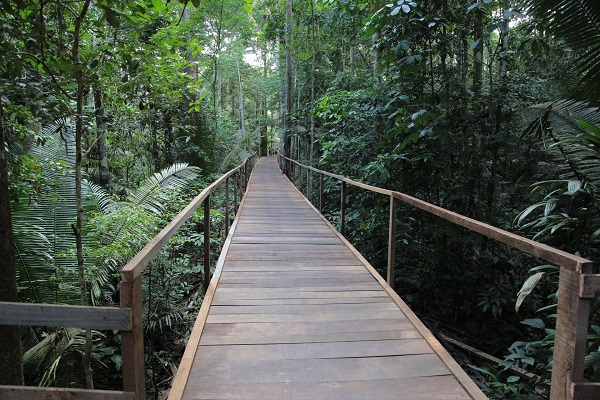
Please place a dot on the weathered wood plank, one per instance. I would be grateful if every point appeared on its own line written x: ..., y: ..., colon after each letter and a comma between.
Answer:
x: 327, y: 350
x: 316, y: 370
x: 211, y: 339
x: 397, y: 323
x: 236, y: 301
x: 364, y: 316
x: 109, y: 318
x: 295, y: 309
x: 381, y: 389
x: 34, y: 392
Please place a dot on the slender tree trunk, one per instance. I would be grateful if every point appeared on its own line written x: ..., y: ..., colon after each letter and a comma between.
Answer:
x: 101, y: 132
x: 155, y: 149
x: 11, y: 357
x: 312, y: 89
x: 169, y: 138
x: 478, y: 54
x: 80, y: 78
x: 504, y: 37
x: 241, y: 98
x: 288, y: 85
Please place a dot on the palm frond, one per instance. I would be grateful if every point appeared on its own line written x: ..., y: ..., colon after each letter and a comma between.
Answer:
x: 578, y: 23
x: 153, y: 191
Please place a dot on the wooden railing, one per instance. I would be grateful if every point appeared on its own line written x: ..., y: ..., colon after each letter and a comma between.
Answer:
x: 128, y: 317
x: 577, y: 285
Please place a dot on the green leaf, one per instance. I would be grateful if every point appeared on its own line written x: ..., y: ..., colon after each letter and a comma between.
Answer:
x: 528, y: 287
x: 473, y: 6
x: 573, y: 186
x: 159, y: 5
x: 474, y: 44
x: 534, y: 323
x: 589, y: 127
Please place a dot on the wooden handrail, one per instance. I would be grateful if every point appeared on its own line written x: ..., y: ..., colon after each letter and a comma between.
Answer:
x: 577, y: 285
x: 132, y: 342
x: 128, y: 317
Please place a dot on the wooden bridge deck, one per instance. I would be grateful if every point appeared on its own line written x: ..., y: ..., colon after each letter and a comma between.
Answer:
x: 295, y: 312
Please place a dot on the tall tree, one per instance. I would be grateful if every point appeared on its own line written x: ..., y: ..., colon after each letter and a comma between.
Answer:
x: 11, y: 359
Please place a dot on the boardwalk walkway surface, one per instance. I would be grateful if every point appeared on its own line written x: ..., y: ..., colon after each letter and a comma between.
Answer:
x: 296, y: 313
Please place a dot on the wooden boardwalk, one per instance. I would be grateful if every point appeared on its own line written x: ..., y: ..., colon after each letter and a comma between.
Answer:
x: 295, y: 312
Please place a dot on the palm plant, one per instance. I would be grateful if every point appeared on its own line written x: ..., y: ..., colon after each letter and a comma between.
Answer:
x: 577, y: 22
x: 570, y: 209
x: 44, y: 241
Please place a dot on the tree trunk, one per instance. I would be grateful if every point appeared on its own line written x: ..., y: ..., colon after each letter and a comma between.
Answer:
x: 288, y: 86
x: 101, y: 132
x: 241, y: 98
x: 155, y: 149
x: 169, y: 138
x: 312, y: 92
x: 11, y: 357
x: 478, y: 54
x: 504, y: 37
x: 80, y: 78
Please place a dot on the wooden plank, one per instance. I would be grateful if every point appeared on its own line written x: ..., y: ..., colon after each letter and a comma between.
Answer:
x: 132, y: 342
x: 393, y: 324
x: 315, y: 370
x: 589, y: 286
x: 287, y: 269
x: 420, y: 388
x: 327, y: 350
x: 225, y: 294
x: 585, y: 391
x: 109, y: 318
x: 222, y: 301
x: 296, y: 309
x: 570, y: 335
x: 364, y: 316
x: 43, y: 393
x: 283, y: 273
x: 211, y: 339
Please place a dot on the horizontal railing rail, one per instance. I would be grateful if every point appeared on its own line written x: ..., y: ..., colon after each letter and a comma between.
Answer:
x: 577, y: 285
x: 127, y: 318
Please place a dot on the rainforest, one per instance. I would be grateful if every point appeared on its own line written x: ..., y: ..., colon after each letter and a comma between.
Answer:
x: 116, y: 114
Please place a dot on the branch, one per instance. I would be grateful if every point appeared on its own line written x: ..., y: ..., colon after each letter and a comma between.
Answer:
x: 49, y: 72
x: 182, y: 12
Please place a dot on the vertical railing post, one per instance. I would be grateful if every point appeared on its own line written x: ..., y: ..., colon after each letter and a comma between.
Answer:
x: 235, y: 192
x: 321, y: 192
x: 132, y: 342
x: 571, y: 333
x: 226, y: 206
x: 309, y: 185
x: 343, y: 208
x: 392, y: 243
x: 206, y: 205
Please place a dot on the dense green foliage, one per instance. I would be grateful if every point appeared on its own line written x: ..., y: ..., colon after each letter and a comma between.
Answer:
x: 142, y: 103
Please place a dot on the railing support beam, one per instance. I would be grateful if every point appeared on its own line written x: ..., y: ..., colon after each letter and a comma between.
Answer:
x: 571, y: 334
x: 132, y: 342
x: 321, y: 193
x: 206, y: 205
x: 391, y: 268
x: 343, y: 208
x: 227, y: 207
